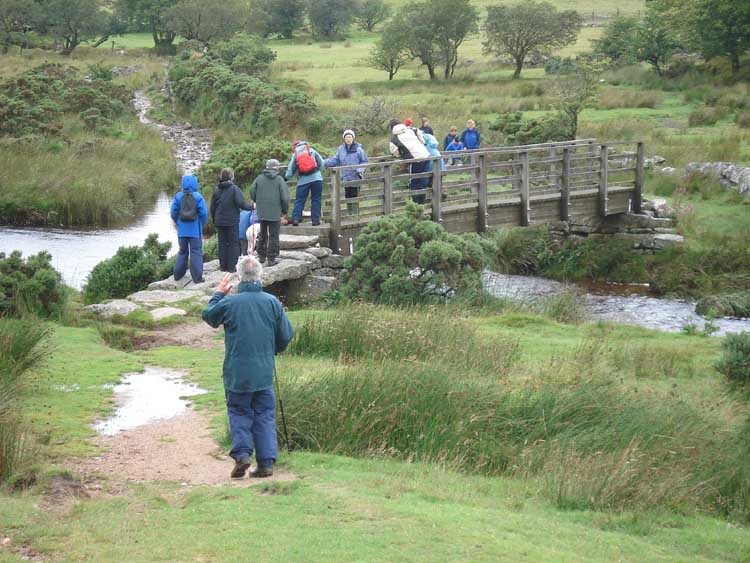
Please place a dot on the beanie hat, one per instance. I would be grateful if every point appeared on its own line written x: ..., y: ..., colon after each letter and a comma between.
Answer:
x: 408, y: 121
x: 272, y: 164
x: 349, y: 132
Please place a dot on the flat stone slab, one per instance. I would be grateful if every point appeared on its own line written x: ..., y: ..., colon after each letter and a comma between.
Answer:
x: 319, y: 251
x: 164, y: 312
x: 170, y: 283
x: 292, y: 242
x: 662, y: 241
x: 115, y: 307
x: 286, y: 269
x: 332, y: 261
x: 299, y: 255
x: 148, y: 297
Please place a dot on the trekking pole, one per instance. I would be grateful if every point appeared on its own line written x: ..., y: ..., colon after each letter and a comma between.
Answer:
x: 281, y: 406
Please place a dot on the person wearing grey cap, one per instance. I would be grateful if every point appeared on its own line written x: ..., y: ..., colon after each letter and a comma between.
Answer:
x: 350, y: 153
x: 270, y: 195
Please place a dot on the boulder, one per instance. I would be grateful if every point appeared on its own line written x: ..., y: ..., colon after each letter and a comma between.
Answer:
x: 153, y: 297
x: 310, y: 288
x: 292, y: 242
x: 319, y: 251
x: 333, y: 261
x: 286, y: 269
x: 115, y: 307
x: 662, y: 241
x: 299, y: 255
x: 164, y: 312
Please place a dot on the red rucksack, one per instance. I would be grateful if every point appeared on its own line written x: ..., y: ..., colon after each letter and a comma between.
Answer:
x: 306, y: 161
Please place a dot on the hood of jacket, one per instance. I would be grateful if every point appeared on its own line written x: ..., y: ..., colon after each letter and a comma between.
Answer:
x: 189, y: 184
x: 270, y: 173
x: 225, y: 184
x: 399, y: 129
x: 430, y: 141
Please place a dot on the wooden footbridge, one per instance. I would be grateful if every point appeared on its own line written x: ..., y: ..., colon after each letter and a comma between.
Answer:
x: 493, y: 187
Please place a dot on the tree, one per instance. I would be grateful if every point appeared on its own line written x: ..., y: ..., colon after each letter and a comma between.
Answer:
x: 151, y: 14
x: 387, y: 55
x: 206, y: 22
x: 16, y: 18
x: 712, y: 27
x: 73, y: 21
x: 529, y: 29
x: 329, y: 18
x: 576, y: 91
x: 282, y: 17
x: 370, y: 13
x: 616, y: 42
x: 654, y: 41
x: 113, y: 26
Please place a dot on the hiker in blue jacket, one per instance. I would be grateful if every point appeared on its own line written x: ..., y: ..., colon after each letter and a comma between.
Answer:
x: 455, y: 145
x: 349, y: 154
x: 310, y: 183
x: 255, y: 330
x: 189, y: 231
x: 247, y: 218
x: 470, y: 136
x: 432, y: 146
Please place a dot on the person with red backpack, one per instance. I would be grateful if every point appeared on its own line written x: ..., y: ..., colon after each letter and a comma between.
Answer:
x: 308, y: 165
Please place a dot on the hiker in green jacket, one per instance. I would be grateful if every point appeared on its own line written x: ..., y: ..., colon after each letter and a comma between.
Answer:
x: 270, y: 196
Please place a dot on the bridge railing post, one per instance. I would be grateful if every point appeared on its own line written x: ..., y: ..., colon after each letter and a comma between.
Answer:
x: 603, y: 180
x: 565, y: 186
x: 335, y: 209
x: 640, y: 164
x: 437, y: 191
x: 387, y: 189
x: 482, y: 195
x: 525, y: 201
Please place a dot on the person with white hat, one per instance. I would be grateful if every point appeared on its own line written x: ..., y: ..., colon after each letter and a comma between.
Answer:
x: 349, y: 154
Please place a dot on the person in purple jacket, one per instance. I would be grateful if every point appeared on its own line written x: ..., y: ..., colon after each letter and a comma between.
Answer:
x: 349, y: 153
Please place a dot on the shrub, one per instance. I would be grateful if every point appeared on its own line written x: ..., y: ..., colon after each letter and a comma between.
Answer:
x: 705, y: 116
x: 30, y: 286
x: 405, y: 259
x: 735, y: 360
x: 343, y: 93
x: 246, y: 159
x: 725, y: 305
x: 131, y: 269
x: 742, y: 119
x: 519, y: 131
x: 560, y: 65
x: 371, y: 117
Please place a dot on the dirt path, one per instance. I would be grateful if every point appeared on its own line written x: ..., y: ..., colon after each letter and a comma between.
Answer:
x: 178, y: 449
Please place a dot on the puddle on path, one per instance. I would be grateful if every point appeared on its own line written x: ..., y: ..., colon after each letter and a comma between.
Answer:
x: 155, y: 394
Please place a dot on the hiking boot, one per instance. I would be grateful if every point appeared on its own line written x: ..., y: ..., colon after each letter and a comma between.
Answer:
x: 315, y: 223
x: 260, y: 472
x: 295, y: 222
x: 240, y: 466
x: 271, y: 262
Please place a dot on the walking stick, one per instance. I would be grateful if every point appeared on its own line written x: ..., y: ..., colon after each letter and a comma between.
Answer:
x: 281, y: 406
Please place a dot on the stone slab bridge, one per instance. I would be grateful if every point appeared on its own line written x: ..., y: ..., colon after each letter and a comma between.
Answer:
x: 494, y: 187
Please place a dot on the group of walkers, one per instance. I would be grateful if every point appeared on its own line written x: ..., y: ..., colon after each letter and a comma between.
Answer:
x: 253, y: 226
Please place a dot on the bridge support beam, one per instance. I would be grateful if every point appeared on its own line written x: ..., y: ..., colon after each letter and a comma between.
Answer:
x: 603, y: 180
x: 565, y: 186
x: 437, y: 191
x: 482, y: 195
x: 525, y: 208
x: 336, y: 210
x: 640, y: 162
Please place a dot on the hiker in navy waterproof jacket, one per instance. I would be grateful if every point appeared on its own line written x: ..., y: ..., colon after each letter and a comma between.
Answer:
x: 311, y: 183
x: 226, y: 203
x: 189, y: 233
x: 470, y: 136
x: 255, y: 330
x: 349, y: 154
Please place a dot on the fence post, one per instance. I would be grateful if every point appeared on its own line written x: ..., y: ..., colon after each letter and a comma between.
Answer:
x: 437, y: 192
x: 565, y: 186
x: 387, y: 189
x: 482, y: 195
x: 640, y: 163
x: 603, y: 179
x: 336, y: 210
x: 525, y: 208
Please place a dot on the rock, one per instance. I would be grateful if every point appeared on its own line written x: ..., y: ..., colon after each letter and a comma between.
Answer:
x: 318, y: 251
x: 148, y: 297
x: 656, y: 159
x: 164, y: 312
x: 286, y: 269
x: 668, y: 170
x: 211, y: 266
x: 333, y: 261
x: 299, y: 255
x: 311, y: 288
x: 638, y: 241
x: 115, y: 307
x: 328, y: 272
x: 662, y: 241
x: 170, y: 283
x: 292, y: 242
x: 631, y: 220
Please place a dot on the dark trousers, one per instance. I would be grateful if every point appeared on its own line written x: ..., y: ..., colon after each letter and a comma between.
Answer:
x: 315, y: 189
x: 353, y: 207
x: 243, y: 247
x: 418, y: 183
x: 229, y: 247
x: 191, y: 248
x: 267, y: 245
x: 252, y: 422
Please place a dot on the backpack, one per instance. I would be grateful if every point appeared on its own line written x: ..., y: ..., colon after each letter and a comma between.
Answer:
x: 188, y: 207
x: 306, y: 163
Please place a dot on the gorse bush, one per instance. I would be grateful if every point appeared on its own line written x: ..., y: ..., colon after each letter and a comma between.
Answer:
x: 131, y: 269
x: 246, y: 159
x: 230, y: 85
x: 21, y: 349
x: 35, y: 102
x: 405, y: 259
x: 735, y: 360
x: 30, y: 286
x: 519, y: 131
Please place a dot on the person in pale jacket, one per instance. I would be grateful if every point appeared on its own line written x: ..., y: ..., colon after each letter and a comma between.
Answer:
x: 349, y: 154
x: 408, y: 143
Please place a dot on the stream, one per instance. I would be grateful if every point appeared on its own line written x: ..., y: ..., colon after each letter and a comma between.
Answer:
x: 75, y: 252
x: 614, y: 303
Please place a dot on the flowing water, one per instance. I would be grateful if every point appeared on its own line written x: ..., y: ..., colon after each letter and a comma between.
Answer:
x: 142, y: 398
x: 622, y: 304
x: 75, y: 252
